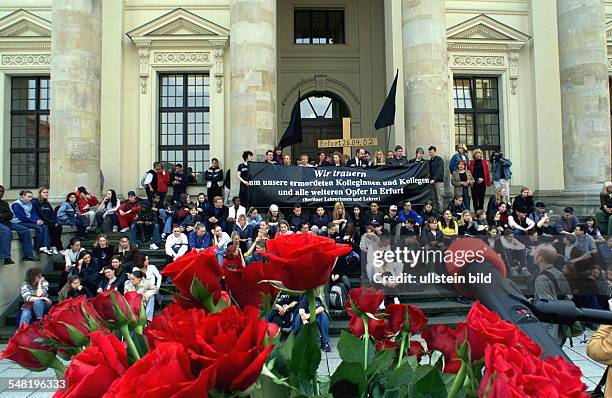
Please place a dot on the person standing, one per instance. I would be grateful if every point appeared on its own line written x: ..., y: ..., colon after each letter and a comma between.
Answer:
x: 550, y: 284
x: 500, y: 169
x: 163, y: 178
x: 6, y: 234
x: 479, y: 167
x: 398, y: 158
x: 462, y: 180
x: 214, y: 180
x: 457, y: 157
x: 244, y: 177
x: 179, y: 182
x: 436, y: 178
x: 26, y: 216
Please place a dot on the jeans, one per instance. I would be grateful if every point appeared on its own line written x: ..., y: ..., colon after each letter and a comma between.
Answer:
x: 24, y: 237
x: 42, y: 234
x: 100, y: 220
x: 167, y: 223
x: 138, y: 230
x: 5, y: 241
x: 322, y: 324
x: 150, y: 308
x: 39, y: 308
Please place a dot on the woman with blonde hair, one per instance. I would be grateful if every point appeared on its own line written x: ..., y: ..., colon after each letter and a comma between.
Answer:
x: 339, y: 216
x: 379, y: 158
x: 337, y: 159
x: 479, y: 167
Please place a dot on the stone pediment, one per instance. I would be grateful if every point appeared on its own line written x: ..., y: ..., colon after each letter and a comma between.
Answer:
x: 178, y: 24
x: 23, y: 24
x: 486, y: 33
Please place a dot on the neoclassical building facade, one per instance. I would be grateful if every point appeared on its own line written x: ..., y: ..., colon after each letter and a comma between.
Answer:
x: 93, y: 92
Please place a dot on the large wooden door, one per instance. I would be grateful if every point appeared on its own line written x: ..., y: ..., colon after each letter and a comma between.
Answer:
x: 314, y: 130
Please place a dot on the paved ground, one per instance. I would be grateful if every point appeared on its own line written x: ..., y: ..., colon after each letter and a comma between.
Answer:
x: 329, y: 362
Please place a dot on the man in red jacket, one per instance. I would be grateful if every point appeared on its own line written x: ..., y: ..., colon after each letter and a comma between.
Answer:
x: 127, y: 212
x: 86, y: 203
x: 163, y: 177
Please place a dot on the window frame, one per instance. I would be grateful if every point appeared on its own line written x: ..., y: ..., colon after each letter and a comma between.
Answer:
x: 475, y: 111
x: 36, y: 150
x: 328, y: 32
x: 185, y: 110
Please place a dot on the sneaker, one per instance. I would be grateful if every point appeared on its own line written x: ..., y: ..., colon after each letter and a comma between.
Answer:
x: 326, y: 347
x: 115, y: 229
x: 163, y: 236
x: 124, y: 230
x: 32, y: 258
x: 54, y: 250
x: 8, y: 261
x: 45, y: 250
x: 396, y: 300
x: 153, y: 246
x: 525, y: 272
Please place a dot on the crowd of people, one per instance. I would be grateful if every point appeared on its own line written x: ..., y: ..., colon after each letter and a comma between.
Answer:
x: 514, y: 227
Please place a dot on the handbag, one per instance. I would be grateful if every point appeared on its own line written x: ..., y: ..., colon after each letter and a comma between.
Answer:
x: 598, y: 391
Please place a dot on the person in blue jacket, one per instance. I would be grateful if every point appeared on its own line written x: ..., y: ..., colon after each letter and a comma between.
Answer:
x: 26, y: 216
x: 459, y: 156
x: 68, y: 214
x: 199, y: 239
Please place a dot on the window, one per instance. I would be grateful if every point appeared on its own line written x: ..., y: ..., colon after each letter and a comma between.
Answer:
x: 184, y: 123
x: 476, y: 102
x: 319, y: 106
x: 319, y: 26
x: 30, y: 100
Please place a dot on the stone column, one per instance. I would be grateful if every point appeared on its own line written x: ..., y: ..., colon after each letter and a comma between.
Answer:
x: 76, y: 49
x: 252, y: 79
x: 585, y: 102
x: 426, y: 76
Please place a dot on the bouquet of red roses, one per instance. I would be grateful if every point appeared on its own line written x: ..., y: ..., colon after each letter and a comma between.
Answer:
x: 213, y: 340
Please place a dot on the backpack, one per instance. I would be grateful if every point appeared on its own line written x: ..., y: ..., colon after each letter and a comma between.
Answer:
x: 567, y: 331
x: 146, y: 179
x: 337, y: 297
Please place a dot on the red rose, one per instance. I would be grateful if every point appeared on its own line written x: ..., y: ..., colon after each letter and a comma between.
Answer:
x: 405, y: 316
x: 91, y: 372
x: 387, y: 344
x: 365, y: 299
x: 445, y: 340
x: 301, y: 262
x: 416, y: 349
x: 484, y: 327
x: 164, y: 372
x: 75, y: 312
x: 232, y: 342
x: 245, y: 286
x: 134, y: 300
x: 377, y: 328
x: 513, y: 372
x: 175, y: 324
x: 202, y: 265
x: 113, y: 310
x: 22, y: 341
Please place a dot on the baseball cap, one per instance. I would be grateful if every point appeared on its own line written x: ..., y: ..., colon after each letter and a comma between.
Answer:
x: 273, y: 208
x: 393, y: 207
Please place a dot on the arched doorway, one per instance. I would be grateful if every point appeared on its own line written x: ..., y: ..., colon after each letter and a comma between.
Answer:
x: 322, y: 114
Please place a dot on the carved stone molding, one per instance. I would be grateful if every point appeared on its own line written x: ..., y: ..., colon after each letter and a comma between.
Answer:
x: 180, y: 58
x: 477, y: 60
x: 320, y: 78
x: 219, y: 47
x: 513, y: 58
x: 610, y: 63
x: 144, y: 56
x: 27, y: 60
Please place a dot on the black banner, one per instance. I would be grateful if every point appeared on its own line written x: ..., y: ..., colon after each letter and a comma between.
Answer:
x: 287, y: 185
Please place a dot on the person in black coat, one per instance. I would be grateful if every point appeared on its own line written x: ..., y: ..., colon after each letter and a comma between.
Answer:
x: 179, y: 181
x: 296, y: 218
x: 73, y: 289
x: 46, y: 212
x: 524, y: 200
x: 214, y: 180
x: 102, y: 251
x: 320, y: 218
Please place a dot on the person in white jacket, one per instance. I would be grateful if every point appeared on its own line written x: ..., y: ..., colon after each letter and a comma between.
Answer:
x: 176, y: 243
x: 221, y: 239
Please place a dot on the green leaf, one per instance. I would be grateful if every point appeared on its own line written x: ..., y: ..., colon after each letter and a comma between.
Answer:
x: 351, y: 348
x: 45, y: 358
x: 434, y: 357
x: 430, y: 385
x: 306, y: 353
x: 401, y: 377
x: 382, y: 362
x: 199, y: 292
x: 78, y: 338
x: 349, y: 376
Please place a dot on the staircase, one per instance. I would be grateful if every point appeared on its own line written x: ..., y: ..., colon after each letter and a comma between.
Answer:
x: 439, y: 305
